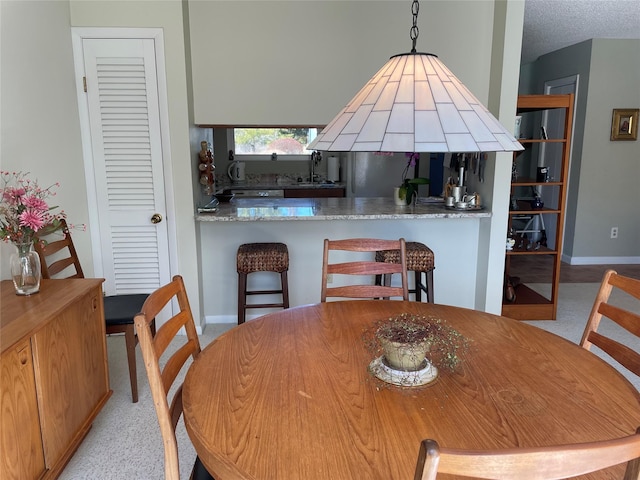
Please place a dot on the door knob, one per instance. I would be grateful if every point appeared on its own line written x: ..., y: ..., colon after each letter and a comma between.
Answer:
x: 156, y: 218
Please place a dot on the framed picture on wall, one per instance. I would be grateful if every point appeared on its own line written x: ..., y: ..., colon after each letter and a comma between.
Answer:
x: 624, y: 124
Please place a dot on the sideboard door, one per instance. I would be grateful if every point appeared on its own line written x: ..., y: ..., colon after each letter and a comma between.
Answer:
x: 70, y: 357
x: 21, y: 444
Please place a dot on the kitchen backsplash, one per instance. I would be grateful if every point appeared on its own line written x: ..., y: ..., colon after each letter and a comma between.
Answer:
x: 222, y: 180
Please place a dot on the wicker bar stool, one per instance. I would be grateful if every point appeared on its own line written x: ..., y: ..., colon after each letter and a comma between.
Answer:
x: 261, y: 257
x: 420, y: 259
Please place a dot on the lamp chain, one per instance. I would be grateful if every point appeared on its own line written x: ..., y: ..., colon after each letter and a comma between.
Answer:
x: 414, y: 32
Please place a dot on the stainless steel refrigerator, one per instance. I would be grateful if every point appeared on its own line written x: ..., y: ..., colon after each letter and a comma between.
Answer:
x: 373, y: 174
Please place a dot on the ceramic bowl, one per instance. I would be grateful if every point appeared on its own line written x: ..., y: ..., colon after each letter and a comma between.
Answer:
x: 462, y: 204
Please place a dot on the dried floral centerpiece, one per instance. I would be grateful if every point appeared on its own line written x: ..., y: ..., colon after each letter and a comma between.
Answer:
x: 404, y: 341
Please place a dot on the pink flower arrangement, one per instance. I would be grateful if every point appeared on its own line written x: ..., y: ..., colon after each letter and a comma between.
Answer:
x: 24, y: 209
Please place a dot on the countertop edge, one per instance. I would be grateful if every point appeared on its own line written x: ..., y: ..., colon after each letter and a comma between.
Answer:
x: 213, y: 217
x: 339, y: 209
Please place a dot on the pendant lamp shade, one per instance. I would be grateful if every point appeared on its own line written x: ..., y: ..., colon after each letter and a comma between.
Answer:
x: 415, y: 104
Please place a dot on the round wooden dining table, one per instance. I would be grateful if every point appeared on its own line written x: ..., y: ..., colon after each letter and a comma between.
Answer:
x: 289, y: 396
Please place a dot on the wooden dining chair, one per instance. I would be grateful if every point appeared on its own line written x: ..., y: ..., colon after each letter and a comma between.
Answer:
x: 544, y: 463
x: 365, y: 267
x: 630, y: 321
x: 162, y: 377
x: 59, y: 259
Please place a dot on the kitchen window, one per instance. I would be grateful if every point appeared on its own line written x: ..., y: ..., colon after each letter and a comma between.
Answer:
x: 271, y: 143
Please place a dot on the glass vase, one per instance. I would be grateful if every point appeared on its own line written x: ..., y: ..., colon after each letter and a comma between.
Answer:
x: 25, y: 269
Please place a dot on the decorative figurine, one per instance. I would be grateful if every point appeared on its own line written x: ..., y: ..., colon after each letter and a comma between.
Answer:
x: 206, y: 168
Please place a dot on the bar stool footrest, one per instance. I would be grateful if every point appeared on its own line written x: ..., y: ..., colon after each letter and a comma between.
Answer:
x: 264, y: 305
x: 263, y: 292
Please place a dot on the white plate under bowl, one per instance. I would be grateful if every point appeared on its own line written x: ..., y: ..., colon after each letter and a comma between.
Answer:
x: 380, y: 369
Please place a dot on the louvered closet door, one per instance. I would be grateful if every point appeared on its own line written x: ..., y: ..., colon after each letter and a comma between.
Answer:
x: 122, y: 98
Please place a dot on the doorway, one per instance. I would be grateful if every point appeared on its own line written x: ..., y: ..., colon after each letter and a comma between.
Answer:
x: 122, y: 100
x: 553, y: 122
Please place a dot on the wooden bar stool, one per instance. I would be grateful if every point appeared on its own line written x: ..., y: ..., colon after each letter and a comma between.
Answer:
x: 420, y: 259
x: 261, y: 257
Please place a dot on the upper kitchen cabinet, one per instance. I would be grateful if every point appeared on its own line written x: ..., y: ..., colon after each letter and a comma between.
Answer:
x: 538, y: 198
x: 257, y: 63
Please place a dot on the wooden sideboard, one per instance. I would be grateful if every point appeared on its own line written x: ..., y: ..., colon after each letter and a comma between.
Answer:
x: 54, y: 374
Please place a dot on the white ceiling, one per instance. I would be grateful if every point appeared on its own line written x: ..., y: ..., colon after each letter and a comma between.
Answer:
x: 553, y: 24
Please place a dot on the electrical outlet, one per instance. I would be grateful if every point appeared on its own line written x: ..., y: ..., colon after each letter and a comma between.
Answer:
x: 614, y: 232
x: 329, y: 277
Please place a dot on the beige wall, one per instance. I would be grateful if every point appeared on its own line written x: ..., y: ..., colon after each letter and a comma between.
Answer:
x: 603, y: 174
x: 40, y: 129
x: 299, y: 63
x: 610, y: 171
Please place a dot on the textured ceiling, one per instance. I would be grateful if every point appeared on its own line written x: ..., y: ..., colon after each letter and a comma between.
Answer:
x: 553, y: 24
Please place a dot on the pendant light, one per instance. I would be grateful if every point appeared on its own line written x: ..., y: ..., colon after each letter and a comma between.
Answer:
x: 415, y: 104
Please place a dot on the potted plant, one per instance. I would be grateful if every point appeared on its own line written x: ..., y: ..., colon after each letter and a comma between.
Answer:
x: 404, y: 341
x: 401, y: 344
x: 404, y: 194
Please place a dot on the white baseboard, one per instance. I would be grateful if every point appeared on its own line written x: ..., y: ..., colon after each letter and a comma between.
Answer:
x: 601, y: 260
x: 226, y: 319
x: 212, y: 320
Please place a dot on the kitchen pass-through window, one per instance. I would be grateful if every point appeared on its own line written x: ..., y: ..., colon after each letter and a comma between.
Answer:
x: 271, y: 143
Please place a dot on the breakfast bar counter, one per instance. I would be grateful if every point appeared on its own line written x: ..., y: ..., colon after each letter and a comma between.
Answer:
x: 278, y: 209
x: 303, y: 224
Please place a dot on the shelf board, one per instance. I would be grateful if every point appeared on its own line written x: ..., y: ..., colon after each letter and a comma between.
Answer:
x: 542, y: 140
x: 529, y: 312
x: 531, y: 103
x: 529, y: 305
x: 532, y: 211
x: 527, y: 182
x: 540, y: 251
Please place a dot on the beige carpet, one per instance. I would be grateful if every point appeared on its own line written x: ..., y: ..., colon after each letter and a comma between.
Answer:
x: 574, y: 306
x: 125, y: 442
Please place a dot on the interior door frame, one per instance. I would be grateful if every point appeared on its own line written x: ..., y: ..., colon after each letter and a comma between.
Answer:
x: 549, y: 85
x: 78, y: 35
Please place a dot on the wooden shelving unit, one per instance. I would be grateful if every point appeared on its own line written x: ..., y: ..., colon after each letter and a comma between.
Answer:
x: 529, y: 304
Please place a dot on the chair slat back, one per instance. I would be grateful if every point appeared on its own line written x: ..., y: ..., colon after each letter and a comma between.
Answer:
x: 365, y: 268
x: 162, y: 378
x: 57, y: 256
x: 628, y: 320
x: 545, y: 463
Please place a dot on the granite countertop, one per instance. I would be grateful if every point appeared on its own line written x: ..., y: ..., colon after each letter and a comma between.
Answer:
x: 278, y: 209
